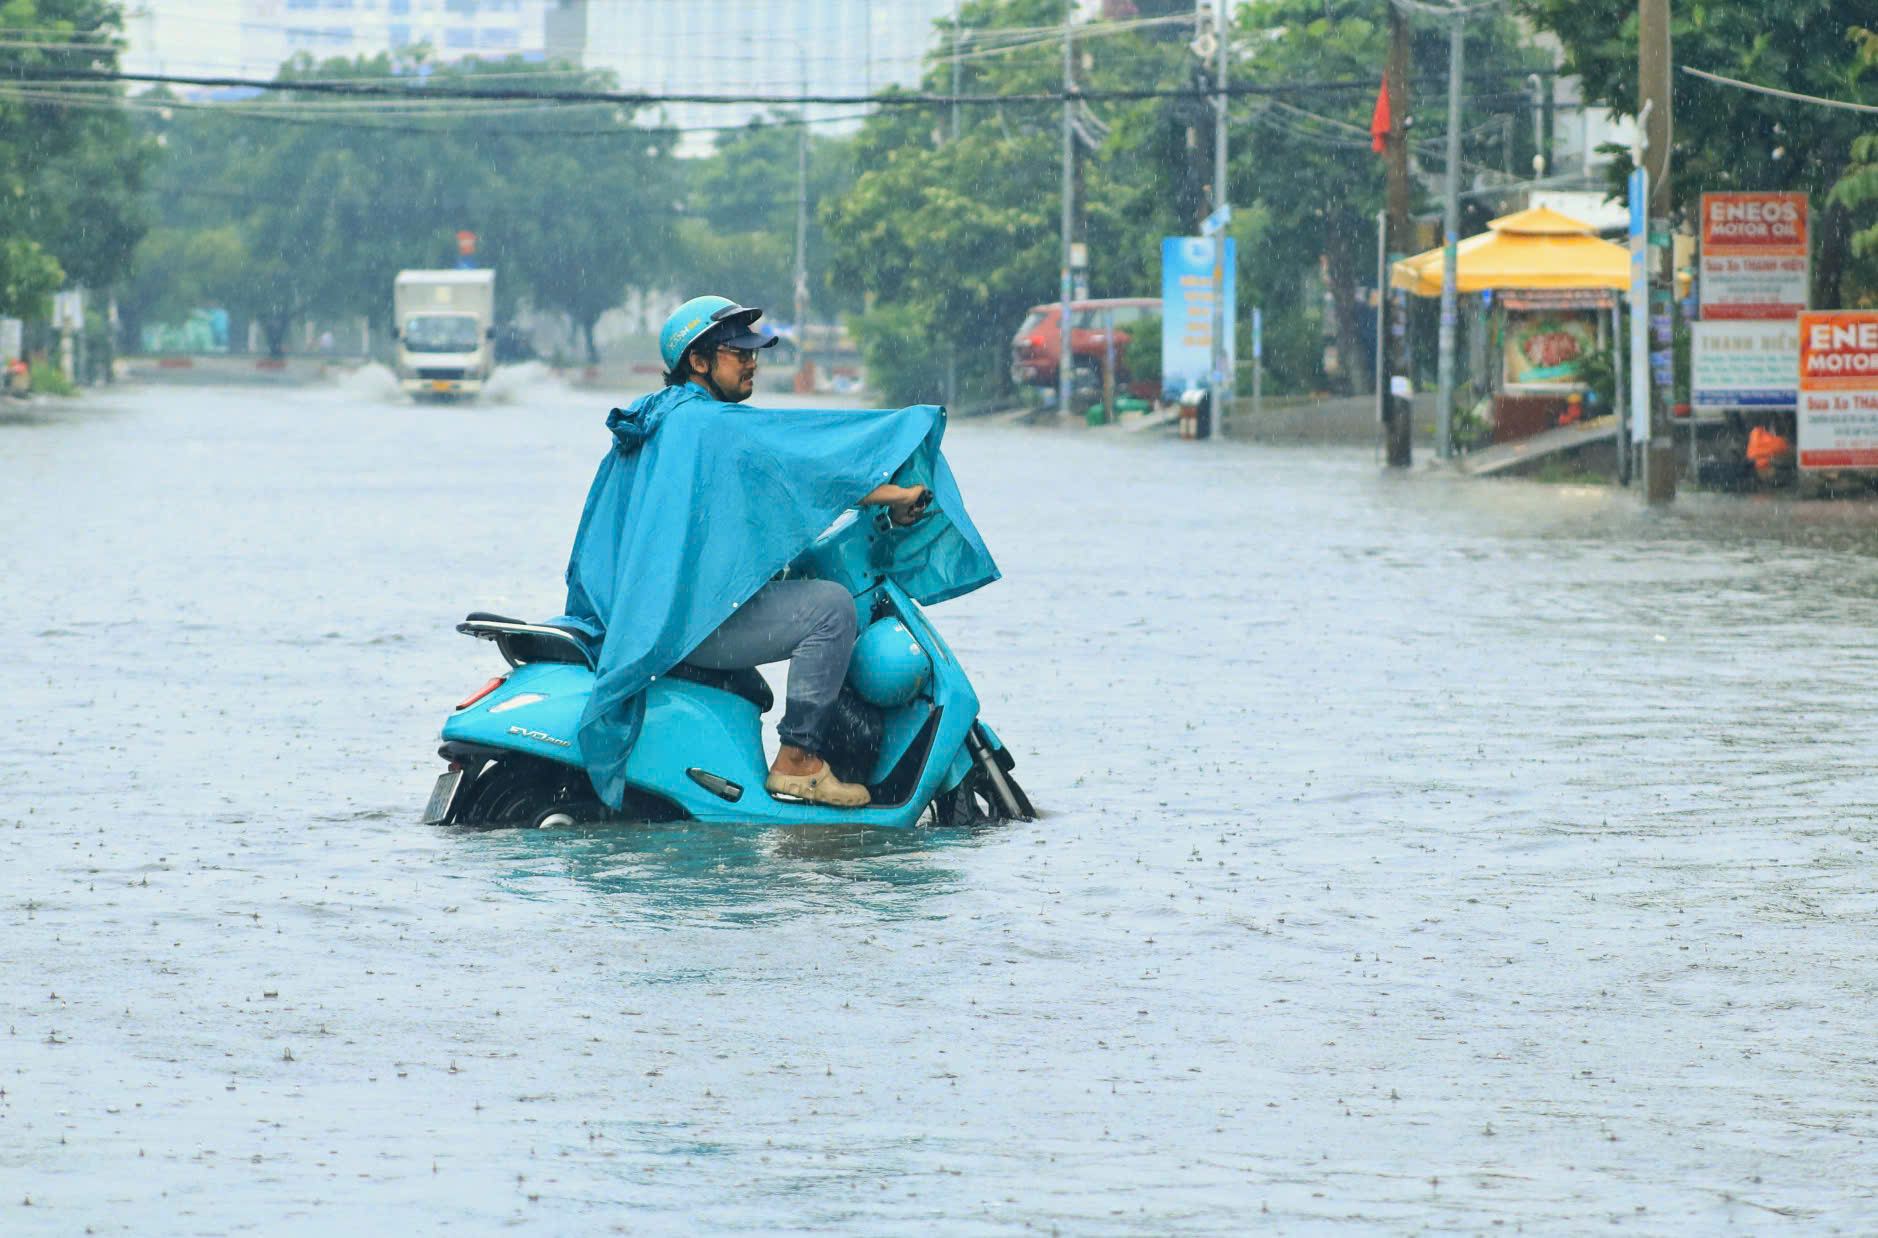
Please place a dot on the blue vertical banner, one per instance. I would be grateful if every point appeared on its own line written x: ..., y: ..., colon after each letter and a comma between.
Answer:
x: 1639, y: 194
x: 1187, y: 311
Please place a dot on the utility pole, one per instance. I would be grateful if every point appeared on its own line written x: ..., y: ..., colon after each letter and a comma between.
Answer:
x: 1222, y: 326
x: 1653, y: 88
x: 952, y: 349
x: 1398, y: 438
x: 1540, y: 163
x: 957, y: 5
x: 1450, y: 253
x: 1654, y: 117
x: 803, y: 376
x: 1064, y: 362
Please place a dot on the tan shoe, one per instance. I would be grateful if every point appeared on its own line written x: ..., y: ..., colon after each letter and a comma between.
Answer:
x: 821, y: 787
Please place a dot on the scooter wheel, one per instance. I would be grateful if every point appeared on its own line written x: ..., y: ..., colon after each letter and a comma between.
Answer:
x: 1025, y: 812
x: 525, y: 793
x: 978, y: 801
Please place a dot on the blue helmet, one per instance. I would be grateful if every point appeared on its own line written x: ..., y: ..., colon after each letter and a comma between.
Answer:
x: 698, y: 315
x: 888, y: 667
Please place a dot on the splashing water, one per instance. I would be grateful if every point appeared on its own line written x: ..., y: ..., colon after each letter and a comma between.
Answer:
x: 523, y: 383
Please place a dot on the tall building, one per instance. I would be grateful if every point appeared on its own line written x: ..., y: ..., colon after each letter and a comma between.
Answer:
x: 250, y: 38
x: 748, y: 47
x: 189, y: 38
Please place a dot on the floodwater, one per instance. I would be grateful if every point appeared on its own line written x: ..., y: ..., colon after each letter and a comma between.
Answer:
x: 1420, y: 856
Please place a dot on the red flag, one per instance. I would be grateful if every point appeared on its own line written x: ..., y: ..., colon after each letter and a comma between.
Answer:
x: 1379, y: 119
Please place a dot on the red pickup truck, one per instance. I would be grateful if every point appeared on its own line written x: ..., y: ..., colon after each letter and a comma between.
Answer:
x: 1036, y: 346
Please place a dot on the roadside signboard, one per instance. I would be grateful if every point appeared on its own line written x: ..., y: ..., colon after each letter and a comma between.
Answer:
x: 1755, y: 261
x: 1187, y: 311
x: 1638, y: 188
x: 1743, y: 365
x: 68, y: 310
x: 1838, y: 411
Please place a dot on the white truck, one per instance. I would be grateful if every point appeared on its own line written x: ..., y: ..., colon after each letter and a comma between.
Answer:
x: 444, y: 325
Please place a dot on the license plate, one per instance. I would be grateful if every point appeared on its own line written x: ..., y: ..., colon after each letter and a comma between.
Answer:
x: 442, y: 796
x: 438, y: 384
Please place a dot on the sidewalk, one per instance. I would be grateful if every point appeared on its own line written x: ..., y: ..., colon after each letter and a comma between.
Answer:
x: 1347, y: 420
x: 1300, y: 420
x: 234, y: 369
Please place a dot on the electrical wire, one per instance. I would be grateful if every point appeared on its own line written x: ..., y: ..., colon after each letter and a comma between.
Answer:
x: 622, y: 130
x: 889, y: 98
x: 1299, y: 133
x: 1491, y: 125
x: 1053, y: 37
x: 1793, y: 95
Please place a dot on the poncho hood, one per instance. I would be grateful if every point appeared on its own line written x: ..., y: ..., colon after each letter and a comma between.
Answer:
x: 699, y: 503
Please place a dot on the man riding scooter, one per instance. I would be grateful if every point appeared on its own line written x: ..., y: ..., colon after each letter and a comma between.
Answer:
x: 710, y: 353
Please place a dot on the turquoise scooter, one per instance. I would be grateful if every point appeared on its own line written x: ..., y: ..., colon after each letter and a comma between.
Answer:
x: 908, y: 725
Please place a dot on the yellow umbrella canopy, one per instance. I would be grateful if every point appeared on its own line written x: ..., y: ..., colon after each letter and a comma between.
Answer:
x: 1533, y: 248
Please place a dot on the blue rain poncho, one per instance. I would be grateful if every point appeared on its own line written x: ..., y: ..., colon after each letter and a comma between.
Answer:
x: 700, y: 503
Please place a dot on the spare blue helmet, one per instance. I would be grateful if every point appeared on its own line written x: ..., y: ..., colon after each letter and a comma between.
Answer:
x: 699, y: 315
x: 888, y: 667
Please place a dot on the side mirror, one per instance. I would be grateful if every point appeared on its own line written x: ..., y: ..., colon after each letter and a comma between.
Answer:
x: 394, y: 333
x: 489, y: 333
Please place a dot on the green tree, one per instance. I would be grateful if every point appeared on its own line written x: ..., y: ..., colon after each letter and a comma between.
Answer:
x: 1727, y: 138
x: 88, y: 205
x: 586, y: 222
x: 70, y: 174
x: 178, y: 269
x: 951, y: 240
x: 739, y: 229
x: 1307, y: 161
x: 330, y: 198
x: 1857, y: 189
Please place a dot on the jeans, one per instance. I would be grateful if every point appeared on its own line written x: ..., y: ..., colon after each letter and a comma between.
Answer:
x: 810, y: 622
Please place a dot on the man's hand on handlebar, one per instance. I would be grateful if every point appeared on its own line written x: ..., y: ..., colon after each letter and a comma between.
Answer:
x: 913, y: 509
x: 905, y: 504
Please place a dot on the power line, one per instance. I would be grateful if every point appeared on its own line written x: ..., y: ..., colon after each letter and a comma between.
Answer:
x: 1794, y: 95
x: 238, y: 112
x: 1052, y: 37
x: 647, y: 98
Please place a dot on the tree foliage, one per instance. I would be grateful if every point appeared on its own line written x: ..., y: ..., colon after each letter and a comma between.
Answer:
x: 70, y: 175
x: 738, y: 232
x: 1857, y: 189
x: 951, y: 240
x: 573, y: 206
x: 1726, y: 138
x: 1306, y: 160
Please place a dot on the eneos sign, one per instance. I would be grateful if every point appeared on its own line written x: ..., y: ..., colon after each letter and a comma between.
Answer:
x: 1838, y: 411
x: 1755, y: 259
x: 1753, y: 222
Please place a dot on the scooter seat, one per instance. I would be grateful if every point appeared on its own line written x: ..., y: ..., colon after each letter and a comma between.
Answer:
x: 747, y: 682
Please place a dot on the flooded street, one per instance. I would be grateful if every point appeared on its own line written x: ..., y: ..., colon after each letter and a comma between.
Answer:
x: 1418, y: 855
